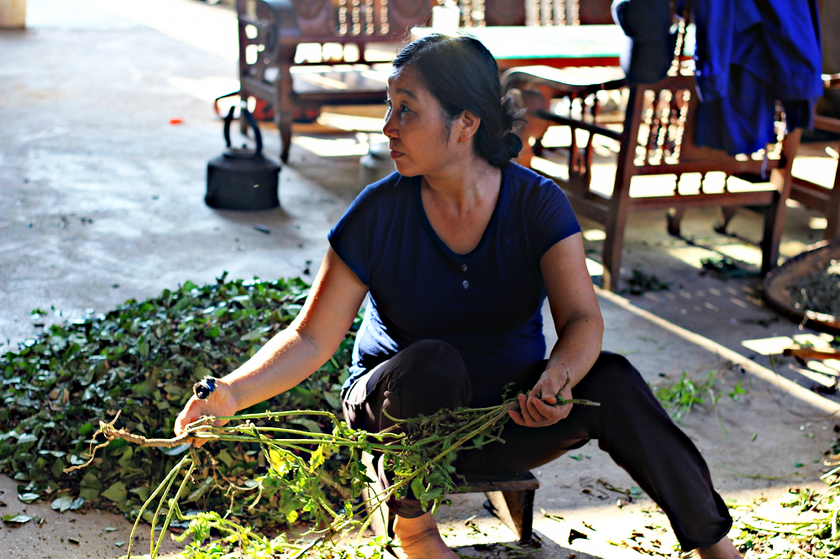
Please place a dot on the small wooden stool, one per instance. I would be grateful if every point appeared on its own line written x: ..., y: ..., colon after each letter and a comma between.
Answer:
x: 511, y: 500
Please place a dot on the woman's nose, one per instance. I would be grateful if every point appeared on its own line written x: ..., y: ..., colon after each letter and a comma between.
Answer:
x: 390, y: 128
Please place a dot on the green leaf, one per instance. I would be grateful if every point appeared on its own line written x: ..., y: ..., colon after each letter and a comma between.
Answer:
x: 117, y: 492
x: 280, y: 461
x: 62, y: 503
x: 29, y: 497
x: 317, y: 459
x: 309, y: 424
x: 225, y: 457
x: 57, y: 469
x: 16, y: 518
x: 142, y: 492
x: 176, y: 450
x: 255, y: 334
x: 53, y: 453
x: 417, y: 488
x: 90, y: 487
x: 27, y: 438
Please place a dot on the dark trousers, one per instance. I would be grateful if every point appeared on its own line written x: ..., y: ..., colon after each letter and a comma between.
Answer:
x: 630, y: 425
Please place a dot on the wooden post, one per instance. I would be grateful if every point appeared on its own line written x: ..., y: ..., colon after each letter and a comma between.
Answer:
x: 12, y: 14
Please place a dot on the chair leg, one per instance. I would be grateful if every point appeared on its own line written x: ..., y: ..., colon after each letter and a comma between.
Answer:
x: 832, y: 212
x: 675, y: 216
x: 725, y: 215
x: 774, y: 223
x: 534, y: 127
x: 284, y: 112
x: 243, y: 124
x: 516, y: 510
x: 614, y: 243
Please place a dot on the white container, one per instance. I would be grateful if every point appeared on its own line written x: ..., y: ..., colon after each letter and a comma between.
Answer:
x: 12, y: 14
x: 446, y: 18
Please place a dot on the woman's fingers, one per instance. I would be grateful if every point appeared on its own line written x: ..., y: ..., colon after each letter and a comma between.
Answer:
x: 534, y: 413
x: 192, y: 412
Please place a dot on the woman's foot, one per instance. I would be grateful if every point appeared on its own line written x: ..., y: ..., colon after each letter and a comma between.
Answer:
x: 721, y: 550
x: 419, y: 539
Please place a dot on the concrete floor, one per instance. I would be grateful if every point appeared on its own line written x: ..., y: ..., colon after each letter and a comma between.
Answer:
x: 101, y: 200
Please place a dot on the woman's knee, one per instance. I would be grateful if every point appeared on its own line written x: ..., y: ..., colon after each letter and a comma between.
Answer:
x: 431, y: 363
x: 613, y: 377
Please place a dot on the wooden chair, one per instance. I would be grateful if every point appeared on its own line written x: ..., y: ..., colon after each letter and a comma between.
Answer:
x: 271, y: 30
x: 817, y: 196
x: 656, y: 137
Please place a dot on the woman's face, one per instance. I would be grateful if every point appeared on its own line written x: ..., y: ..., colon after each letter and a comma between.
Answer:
x: 422, y: 142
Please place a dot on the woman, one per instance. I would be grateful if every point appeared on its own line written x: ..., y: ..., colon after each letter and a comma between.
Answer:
x: 457, y: 252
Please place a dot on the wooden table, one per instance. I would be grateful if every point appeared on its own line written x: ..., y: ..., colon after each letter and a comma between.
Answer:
x: 555, y: 46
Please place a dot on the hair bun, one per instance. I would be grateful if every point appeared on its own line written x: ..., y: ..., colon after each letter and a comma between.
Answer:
x: 513, y: 144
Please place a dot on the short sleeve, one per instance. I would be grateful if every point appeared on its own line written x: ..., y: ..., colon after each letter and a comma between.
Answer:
x: 352, y: 236
x: 553, y: 216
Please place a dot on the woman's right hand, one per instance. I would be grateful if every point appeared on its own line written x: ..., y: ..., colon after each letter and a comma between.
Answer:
x: 220, y: 403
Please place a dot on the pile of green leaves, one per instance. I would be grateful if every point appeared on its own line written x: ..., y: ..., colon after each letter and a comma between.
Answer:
x: 642, y: 282
x: 143, y: 359
x: 681, y: 397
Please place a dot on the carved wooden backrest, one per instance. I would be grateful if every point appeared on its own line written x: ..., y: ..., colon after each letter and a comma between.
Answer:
x: 359, y: 19
x: 535, y: 12
x: 661, y: 119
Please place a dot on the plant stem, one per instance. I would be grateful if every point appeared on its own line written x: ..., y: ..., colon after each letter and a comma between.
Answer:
x: 172, y: 472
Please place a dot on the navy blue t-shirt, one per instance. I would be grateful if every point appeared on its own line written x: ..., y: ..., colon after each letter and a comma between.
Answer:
x: 486, y: 303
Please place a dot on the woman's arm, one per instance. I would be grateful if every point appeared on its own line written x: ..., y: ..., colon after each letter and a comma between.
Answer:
x: 580, y: 329
x: 293, y: 354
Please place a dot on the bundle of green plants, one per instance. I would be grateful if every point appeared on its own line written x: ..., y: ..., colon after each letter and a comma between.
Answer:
x: 143, y: 359
x: 418, y: 452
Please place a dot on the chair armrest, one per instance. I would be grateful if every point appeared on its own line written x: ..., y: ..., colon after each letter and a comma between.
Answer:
x: 831, y: 81
x: 580, y: 80
x: 591, y: 128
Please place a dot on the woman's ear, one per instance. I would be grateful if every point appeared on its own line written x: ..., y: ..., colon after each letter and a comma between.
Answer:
x: 468, y: 124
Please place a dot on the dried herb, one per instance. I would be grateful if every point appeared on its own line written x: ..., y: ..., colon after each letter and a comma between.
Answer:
x: 819, y: 291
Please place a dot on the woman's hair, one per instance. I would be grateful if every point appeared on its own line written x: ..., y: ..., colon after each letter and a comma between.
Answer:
x: 463, y: 76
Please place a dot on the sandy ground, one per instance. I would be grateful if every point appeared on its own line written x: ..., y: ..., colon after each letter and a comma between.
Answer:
x: 86, y: 98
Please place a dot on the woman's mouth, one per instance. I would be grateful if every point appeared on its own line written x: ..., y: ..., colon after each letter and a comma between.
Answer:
x: 395, y: 154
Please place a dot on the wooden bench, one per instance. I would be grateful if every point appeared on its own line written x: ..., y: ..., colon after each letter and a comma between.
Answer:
x: 270, y: 32
x: 511, y: 500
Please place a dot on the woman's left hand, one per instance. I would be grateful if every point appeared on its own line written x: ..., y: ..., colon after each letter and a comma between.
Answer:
x: 537, y: 408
